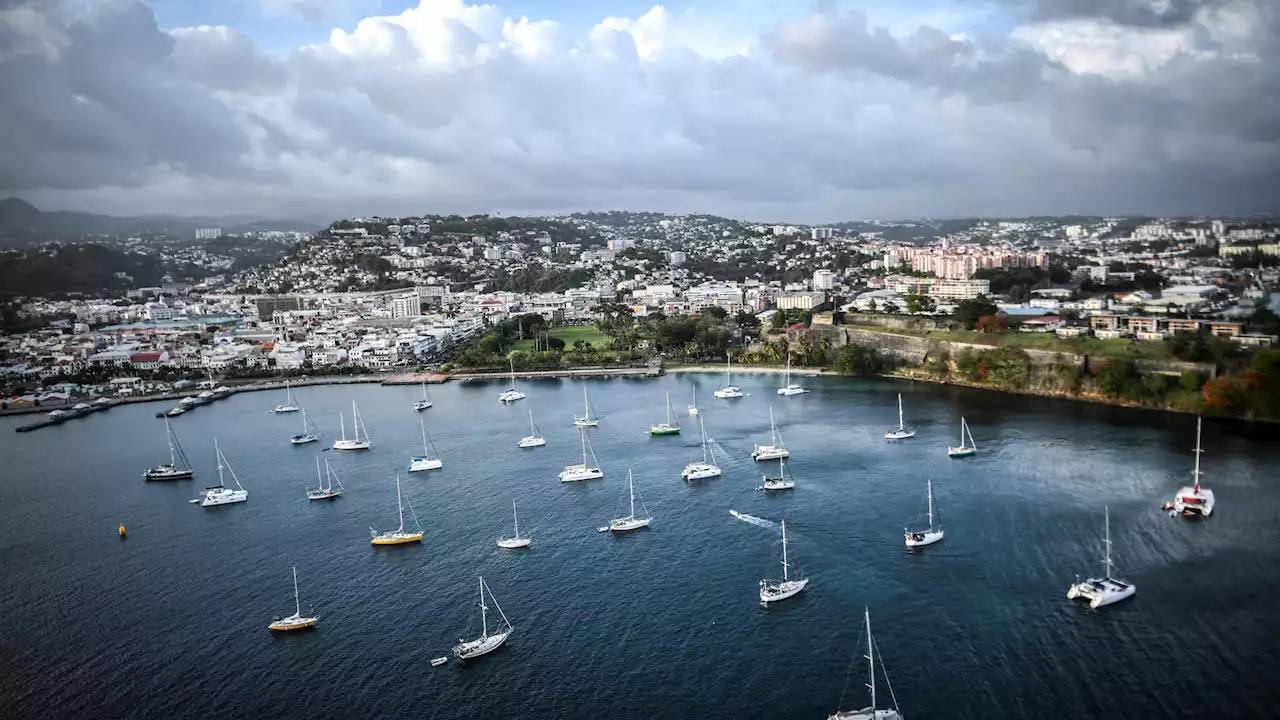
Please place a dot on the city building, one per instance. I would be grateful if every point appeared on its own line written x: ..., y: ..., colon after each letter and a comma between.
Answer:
x: 823, y: 279
x: 407, y: 305
x: 800, y: 301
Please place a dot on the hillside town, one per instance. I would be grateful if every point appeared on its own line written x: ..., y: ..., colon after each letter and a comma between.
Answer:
x: 375, y: 294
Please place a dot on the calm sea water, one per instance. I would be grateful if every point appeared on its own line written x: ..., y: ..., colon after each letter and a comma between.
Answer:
x: 662, y: 623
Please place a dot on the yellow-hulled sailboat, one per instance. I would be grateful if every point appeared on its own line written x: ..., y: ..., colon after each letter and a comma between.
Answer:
x: 296, y: 621
x: 398, y: 536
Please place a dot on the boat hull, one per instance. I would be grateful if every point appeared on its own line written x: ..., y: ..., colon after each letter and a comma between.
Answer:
x: 628, y: 524
x: 1100, y: 592
x: 580, y: 475
x: 585, y: 422
x: 420, y: 464
x: 664, y: 430
x: 303, y: 439
x: 323, y: 494
x: 286, y: 409
x: 775, y: 485
x: 769, y: 452
x: 514, y: 543
x: 160, y: 475
x: 395, y: 538
x: 792, y: 390
x: 1185, y: 502
x: 728, y: 393
x: 699, y: 471
x: 866, y: 714
x: 899, y: 434
x: 481, y: 646
x: 421, y: 405
x: 693, y: 410
x: 510, y: 396
x: 225, y: 497
x: 351, y: 445
x: 531, y: 442
x: 293, y: 623
x: 922, y: 538
x: 961, y: 452
x: 771, y: 592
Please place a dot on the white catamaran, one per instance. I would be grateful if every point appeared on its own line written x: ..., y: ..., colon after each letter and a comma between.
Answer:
x: 1104, y: 590
x: 776, y: 590
x: 325, y: 491
x: 220, y: 494
x: 729, y: 390
x: 309, y: 433
x: 903, y: 432
x: 361, y: 441
x: 631, y: 521
x: 670, y: 427
x: 178, y: 468
x: 583, y: 471
x: 290, y: 405
x: 511, y: 394
x: 920, y: 538
x: 788, y: 387
x: 399, y: 536
x: 515, y: 541
x: 589, y: 418
x: 425, y: 402
x: 1194, y: 501
x: 707, y: 468
x: 775, y: 449
x: 296, y: 621
x: 487, y: 642
x: 871, y: 712
x: 964, y: 450
x: 426, y: 461
x: 534, y: 439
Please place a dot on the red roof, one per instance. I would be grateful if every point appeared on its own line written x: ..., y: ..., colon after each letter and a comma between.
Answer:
x: 797, y: 326
x: 144, y: 357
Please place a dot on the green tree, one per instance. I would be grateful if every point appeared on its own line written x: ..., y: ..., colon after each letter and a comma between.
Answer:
x: 1190, y: 381
x: 1120, y: 378
x: 968, y: 312
x: 858, y: 360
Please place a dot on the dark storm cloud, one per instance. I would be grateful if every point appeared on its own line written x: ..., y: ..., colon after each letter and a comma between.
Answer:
x: 1146, y: 13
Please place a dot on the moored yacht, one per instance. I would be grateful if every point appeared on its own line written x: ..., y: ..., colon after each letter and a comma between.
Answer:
x: 777, y: 590
x: 399, y: 536
x: 290, y: 405
x: 929, y: 536
x: 670, y: 427
x: 425, y: 461
x: 707, y: 468
x: 325, y: 491
x: 788, y: 387
x: 534, y: 438
x: 511, y: 394
x: 296, y: 621
x: 178, y: 468
x: 782, y: 482
x: 361, y: 440
x: 220, y: 494
x: 965, y: 449
x: 775, y: 449
x: 1106, y: 589
x: 487, y: 642
x: 425, y: 402
x: 729, y: 390
x: 903, y: 432
x: 873, y: 711
x: 1194, y: 501
x: 631, y: 521
x: 583, y: 470
x: 308, y: 434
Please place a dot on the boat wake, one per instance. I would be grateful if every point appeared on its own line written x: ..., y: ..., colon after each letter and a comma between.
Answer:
x: 758, y: 522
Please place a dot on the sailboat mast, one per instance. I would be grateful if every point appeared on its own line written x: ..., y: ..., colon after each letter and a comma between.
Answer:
x: 586, y: 404
x: 1195, y: 474
x: 930, y: 506
x: 399, y: 503
x: 218, y: 452
x: 532, y: 431
x: 342, y: 424
x: 632, y: 488
x: 784, y: 551
x: 1107, y: 539
x: 297, y: 604
x: 583, y: 433
x: 173, y: 460
x: 484, y: 623
x: 668, y: 408
x: 515, y: 517
x: 423, y: 425
x: 871, y: 658
x: 773, y: 429
x: 703, y: 429
x: 901, y: 425
x: 319, y: 478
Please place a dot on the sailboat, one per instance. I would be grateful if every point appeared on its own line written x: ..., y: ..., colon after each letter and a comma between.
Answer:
x: 776, y: 590
x: 290, y: 405
x: 295, y: 621
x: 775, y: 449
x: 486, y: 643
x: 670, y: 427
x: 693, y: 402
x: 790, y: 388
x: 356, y: 444
x: 920, y: 538
x: 1194, y: 500
x: 323, y: 491
x: 533, y: 439
x: 511, y: 394
x: 309, y: 433
x: 782, y: 482
x: 583, y: 471
x: 729, y: 390
x: 903, y: 432
x: 178, y: 468
x: 426, y: 461
x: 631, y: 521
x: 399, y: 536
x: 516, y: 541
x: 425, y: 402
x: 871, y: 712
x: 963, y: 450
x: 219, y: 494
x: 707, y: 468
x: 1104, y: 590
x: 588, y: 418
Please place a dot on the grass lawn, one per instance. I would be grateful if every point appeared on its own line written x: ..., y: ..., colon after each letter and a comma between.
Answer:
x: 571, y: 334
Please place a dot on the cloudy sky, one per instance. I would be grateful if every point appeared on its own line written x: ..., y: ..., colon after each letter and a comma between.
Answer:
x: 761, y: 109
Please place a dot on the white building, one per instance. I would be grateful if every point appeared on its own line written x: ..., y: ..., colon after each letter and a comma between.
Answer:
x: 406, y: 305
x: 208, y: 233
x: 800, y: 301
x: 155, y: 312
x: 676, y: 257
x: 820, y: 233
x: 823, y: 279
x: 959, y: 289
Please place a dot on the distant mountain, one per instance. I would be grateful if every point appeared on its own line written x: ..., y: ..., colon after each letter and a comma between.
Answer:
x: 23, y: 224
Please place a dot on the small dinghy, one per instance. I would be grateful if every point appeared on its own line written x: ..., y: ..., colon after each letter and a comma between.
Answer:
x: 437, y: 662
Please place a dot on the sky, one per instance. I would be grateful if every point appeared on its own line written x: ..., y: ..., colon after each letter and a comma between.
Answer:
x: 806, y: 111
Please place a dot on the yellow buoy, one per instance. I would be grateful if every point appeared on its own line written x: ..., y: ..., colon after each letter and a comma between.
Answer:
x: 122, y: 531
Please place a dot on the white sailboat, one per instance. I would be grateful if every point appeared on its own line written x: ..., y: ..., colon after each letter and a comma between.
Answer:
x: 511, y: 394
x: 178, y: 468
x: 788, y: 387
x: 220, y: 494
x: 399, y: 536
x: 707, y: 468
x: 729, y: 390
x: 515, y: 541
x: 359, y: 443
x: 309, y: 433
x: 631, y: 521
x: 325, y: 491
x: 903, y: 432
x: 920, y: 538
x: 486, y: 643
x: 1194, y: 501
x: 426, y: 461
x: 290, y: 405
x: 776, y: 590
x: 583, y: 471
x: 534, y: 439
x: 782, y: 482
x: 1104, y: 590
x: 588, y: 418
x: 425, y: 402
x: 964, y: 450
x: 670, y: 427
x: 775, y: 449
x: 296, y: 621
x: 693, y: 402
x: 871, y: 712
